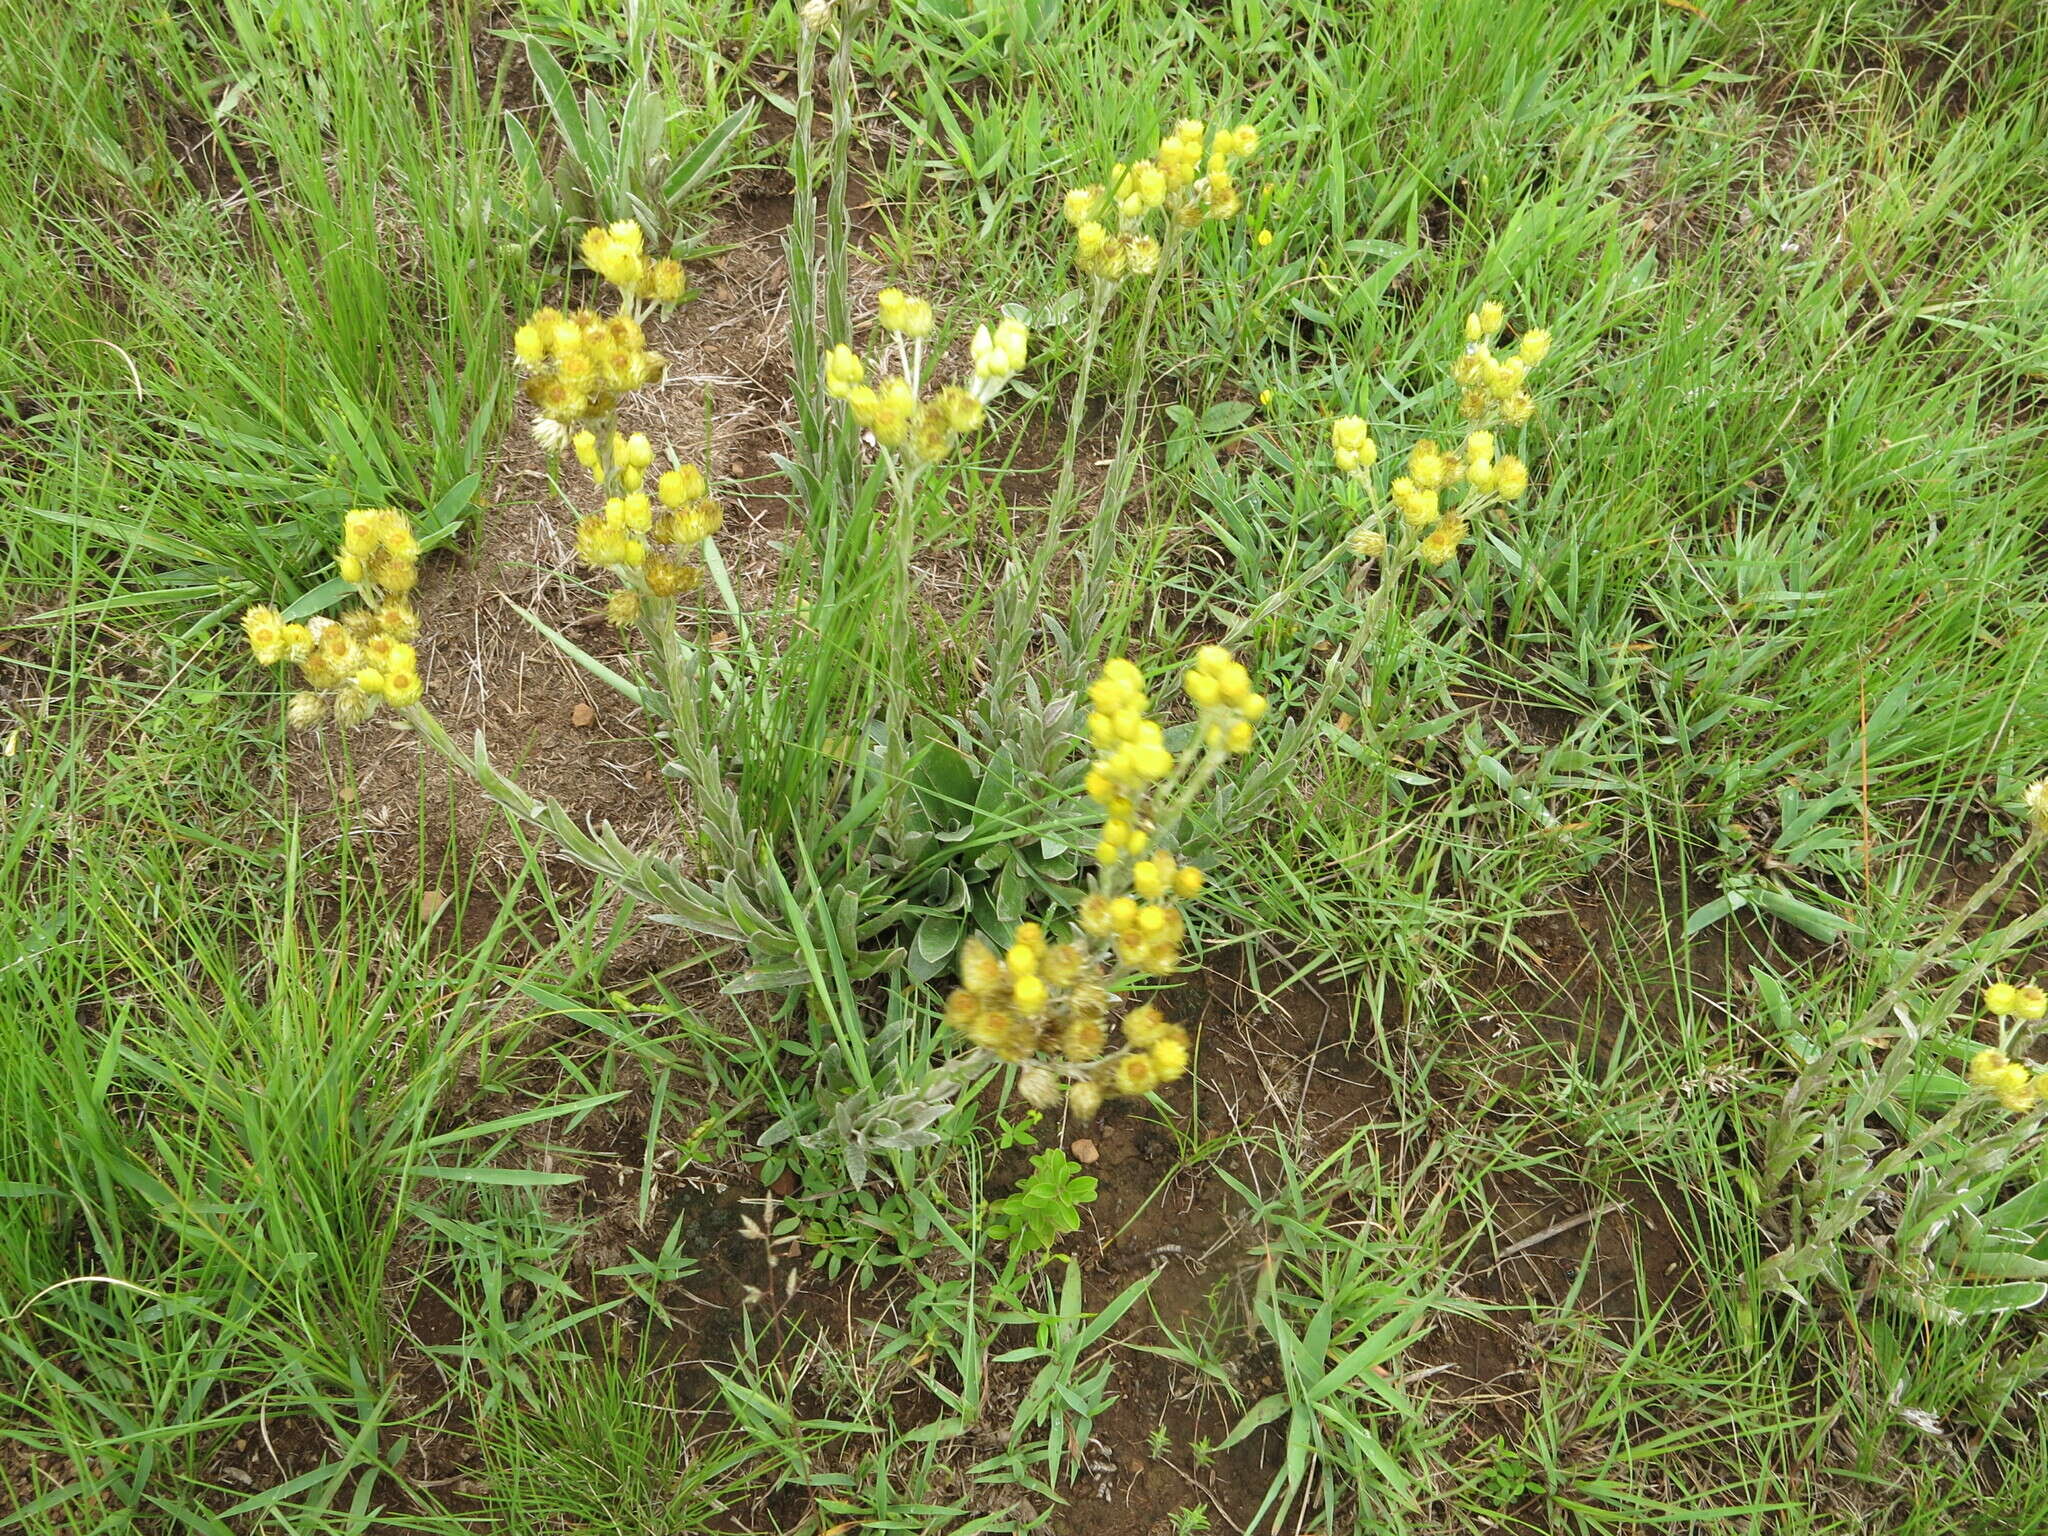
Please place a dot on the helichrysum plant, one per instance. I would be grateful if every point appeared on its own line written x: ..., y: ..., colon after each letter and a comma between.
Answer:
x: 579, y: 368
x: 1427, y: 511
x: 1131, y: 227
x: 912, y: 426
x: 1188, y: 182
x: 353, y: 665
x: 1899, y: 1178
x: 578, y: 365
x: 1048, y: 1003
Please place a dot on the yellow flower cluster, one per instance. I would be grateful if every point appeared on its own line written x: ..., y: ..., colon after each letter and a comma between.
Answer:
x: 617, y: 253
x: 365, y: 658
x: 1494, y: 391
x: 1146, y: 935
x: 924, y: 431
x: 1352, y: 445
x: 1221, y: 691
x: 897, y: 311
x: 378, y: 550
x: 2015, y: 1085
x: 1133, y: 745
x: 627, y: 458
x: 1043, y: 999
x: 578, y: 364
x: 651, y: 550
x: 1188, y: 180
x: 1145, y: 928
x: 2004, y: 1000
x: 1048, y: 1005
x: 998, y: 356
x: 1495, y: 387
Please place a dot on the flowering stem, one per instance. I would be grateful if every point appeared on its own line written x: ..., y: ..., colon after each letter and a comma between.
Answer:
x: 1092, y: 599
x: 838, y: 317
x: 1063, y: 493
x: 1874, y: 1017
x: 903, y: 481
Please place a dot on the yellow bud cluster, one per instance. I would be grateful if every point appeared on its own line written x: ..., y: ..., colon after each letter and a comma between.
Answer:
x: 1158, y: 1055
x: 1441, y: 544
x: 2004, y: 1000
x: 648, y: 549
x: 379, y: 553
x: 1027, y: 999
x: 884, y: 411
x: 1161, y: 875
x: 679, y: 486
x: 1038, y: 1000
x: 1221, y: 691
x: 1506, y: 476
x: 1111, y: 258
x: 1188, y: 179
x: 1495, y: 386
x: 272, y: 640
x: 899, y: 312
x: 617, y: 253
x: 1352, y: 446
x: 926, y: 431
x: 365, y: 658
x: 844, y: 372
x: 2011, y: 1082
x: 998, y: 356
x: 619, y: 461
x: 392, y: 676
x: 1133, y: 747
x: 692, y: 515
x: 1146, y: 935
x: 578, y: 364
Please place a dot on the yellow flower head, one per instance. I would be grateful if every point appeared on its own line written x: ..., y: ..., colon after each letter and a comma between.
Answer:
x: 2002, y: 999
x: 1441, y: 546
x: 2036, y: 802
x: 1352, y: 446
x: 1135, y: 1075
x: 1169, y: 1058
x: 843, y: 372
x: 1082, y: 205
x: 669, y: 282
x: 667, y: 576
x: 2010, y: 1081
x: 265, y: 633
x: 1366, y: 542
x: 901, y: 313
